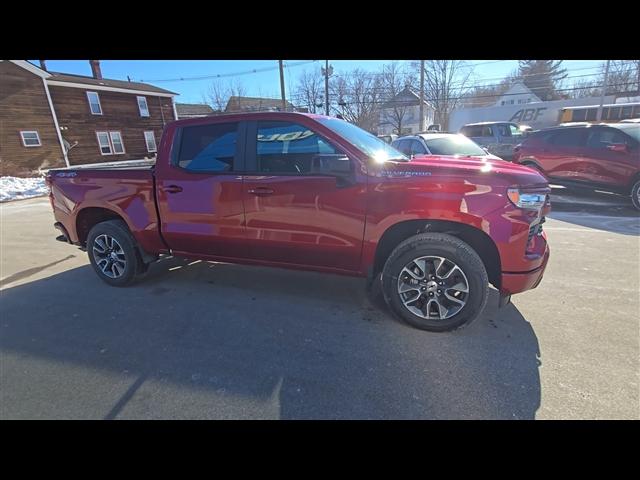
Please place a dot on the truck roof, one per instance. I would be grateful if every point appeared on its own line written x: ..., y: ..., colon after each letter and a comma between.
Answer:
x: 248, y: 115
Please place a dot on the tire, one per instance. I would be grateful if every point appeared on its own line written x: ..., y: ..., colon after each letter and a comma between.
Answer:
x: 126, y: 264
x: 635, y: 194
x: 431, y: 248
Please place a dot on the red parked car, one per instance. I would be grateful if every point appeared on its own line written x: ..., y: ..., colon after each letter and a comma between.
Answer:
x: 315, y: 193
x: 601, y: 156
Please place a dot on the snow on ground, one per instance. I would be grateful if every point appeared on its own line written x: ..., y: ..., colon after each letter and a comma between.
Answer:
x: 14, y: 188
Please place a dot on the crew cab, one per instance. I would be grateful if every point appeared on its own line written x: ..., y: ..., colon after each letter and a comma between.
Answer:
x: 603, y: 156
x: 315, y: 193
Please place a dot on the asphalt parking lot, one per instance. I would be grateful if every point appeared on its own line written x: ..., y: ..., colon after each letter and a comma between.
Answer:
x: 217, y: 341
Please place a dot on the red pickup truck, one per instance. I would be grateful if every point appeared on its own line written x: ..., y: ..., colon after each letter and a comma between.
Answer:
x: 315, y: 193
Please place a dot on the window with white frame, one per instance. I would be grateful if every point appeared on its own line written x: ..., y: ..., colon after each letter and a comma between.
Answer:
x: 30, y: 138
x: 116, y: 142
x: 104, y: 143
x: 94, y: 103
x: 110, y: 143
x: 150, y: 140
x: 143, y: 107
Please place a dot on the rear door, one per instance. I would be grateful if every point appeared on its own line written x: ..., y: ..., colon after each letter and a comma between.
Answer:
x: 562, y: 155
x: 292, y: 215
x: 200, y: 192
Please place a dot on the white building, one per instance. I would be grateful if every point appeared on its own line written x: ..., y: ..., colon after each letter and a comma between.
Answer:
x: 518, y: 94
x: 404, y: 110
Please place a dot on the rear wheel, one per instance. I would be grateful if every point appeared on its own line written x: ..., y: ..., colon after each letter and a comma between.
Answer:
x: 435, y: 282
x: 113, y: 254
x: 635, y: 194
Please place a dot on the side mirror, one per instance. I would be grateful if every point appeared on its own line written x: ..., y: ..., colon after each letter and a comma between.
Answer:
x: 331, y: 164
x: 618, y: 147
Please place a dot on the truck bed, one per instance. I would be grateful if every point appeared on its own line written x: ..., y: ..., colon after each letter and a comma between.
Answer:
x: 123, y: 188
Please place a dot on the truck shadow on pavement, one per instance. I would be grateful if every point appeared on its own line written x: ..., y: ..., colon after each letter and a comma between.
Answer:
x: 209, y: 340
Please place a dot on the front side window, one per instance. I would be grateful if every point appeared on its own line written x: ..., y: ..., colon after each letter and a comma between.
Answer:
x: 285, y: 147
x: 150, y: 140
x: 30, y: 138
x: 514, y: 130
x: 210, y: 148
x: 94, y: 103
x: 143, y: 107
x: 603, y: 137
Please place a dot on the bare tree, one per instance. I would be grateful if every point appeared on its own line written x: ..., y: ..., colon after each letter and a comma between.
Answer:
x: 219, y: 93
x: 446, y: 82
x: 624, y: 78
x: 357, y: 93
x: 485, y: 95
x: 309, y: 90
x: 394, y: 81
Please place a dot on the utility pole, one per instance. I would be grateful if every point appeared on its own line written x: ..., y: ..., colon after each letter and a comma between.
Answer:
x: 422, y: 96
x: 604, y: 90
x: 326, y: 87
x: 327, y: 71
x: 284, y: 97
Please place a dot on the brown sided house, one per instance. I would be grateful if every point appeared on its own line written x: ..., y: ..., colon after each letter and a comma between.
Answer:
x: 50, y: 119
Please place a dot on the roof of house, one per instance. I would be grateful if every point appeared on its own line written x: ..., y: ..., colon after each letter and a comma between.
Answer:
x: 407, y: 97
x: 107, y: 82
x: 244, y: 104
x: 193, y: 109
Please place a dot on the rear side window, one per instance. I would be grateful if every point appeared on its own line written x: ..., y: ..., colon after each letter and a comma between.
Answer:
x: 568, y: 138
x: 288, y: 148
x: 209, y: 148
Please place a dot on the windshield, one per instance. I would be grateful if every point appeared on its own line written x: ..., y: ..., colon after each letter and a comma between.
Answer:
x: 376, y: 148
x: 453, y: 145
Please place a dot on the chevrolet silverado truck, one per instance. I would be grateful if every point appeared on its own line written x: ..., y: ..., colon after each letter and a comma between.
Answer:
x: 315, y: 193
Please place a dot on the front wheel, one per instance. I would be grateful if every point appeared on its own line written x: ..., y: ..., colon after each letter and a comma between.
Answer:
x: 635, y: 194
x: 435, y: 282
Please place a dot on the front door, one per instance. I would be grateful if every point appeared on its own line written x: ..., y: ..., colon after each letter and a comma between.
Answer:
x: 605, y: 164
x: 200, y: 192
x: 294, y: 216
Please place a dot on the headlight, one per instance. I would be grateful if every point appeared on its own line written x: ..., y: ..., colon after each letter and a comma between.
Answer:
x: 526, y: 200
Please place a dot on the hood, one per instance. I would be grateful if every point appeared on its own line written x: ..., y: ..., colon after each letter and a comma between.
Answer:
x: 491, y: 169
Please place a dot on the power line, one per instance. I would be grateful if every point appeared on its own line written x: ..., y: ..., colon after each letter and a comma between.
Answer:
x: 227, y: 75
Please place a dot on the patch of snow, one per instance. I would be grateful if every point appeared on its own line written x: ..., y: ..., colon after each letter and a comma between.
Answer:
x: 14, y: 188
